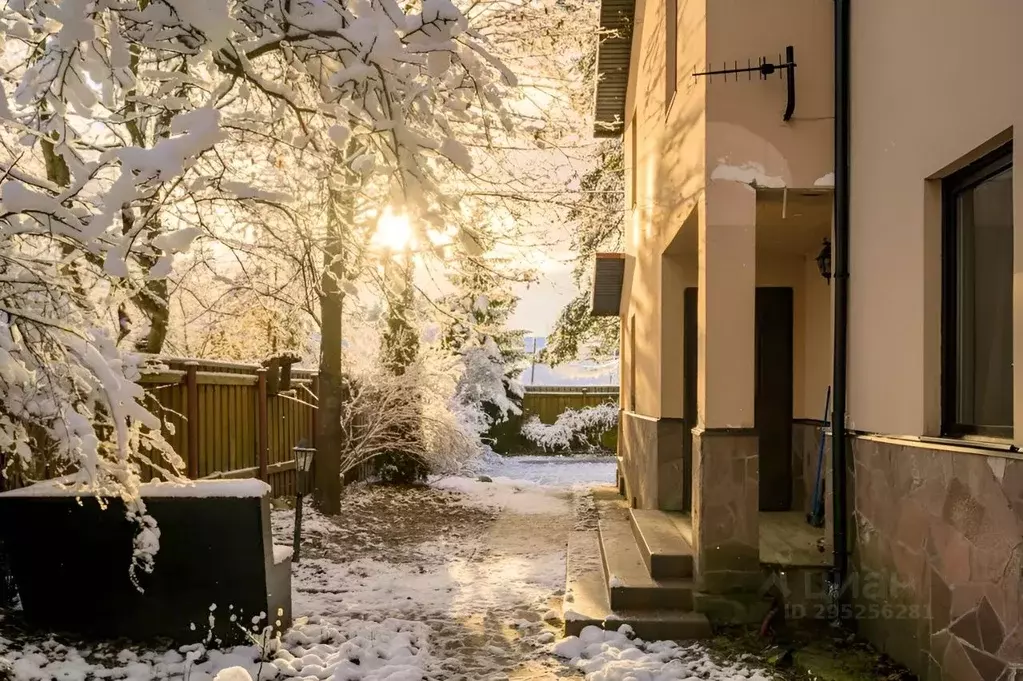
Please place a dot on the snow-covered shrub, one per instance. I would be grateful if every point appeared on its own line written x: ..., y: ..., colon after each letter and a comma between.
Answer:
x: 426, y: 409
x: 484, y: 386
x: 574, y: 429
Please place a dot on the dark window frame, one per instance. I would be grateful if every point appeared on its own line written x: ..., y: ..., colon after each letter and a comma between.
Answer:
x: 952, y: 187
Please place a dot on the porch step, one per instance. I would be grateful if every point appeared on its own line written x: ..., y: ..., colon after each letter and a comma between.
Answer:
x: 587, y: 603
x: 629, y: 584
x: 666, y: 553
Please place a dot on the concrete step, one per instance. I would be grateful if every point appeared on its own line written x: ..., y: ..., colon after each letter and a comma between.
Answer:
x: 666, y: 553
x: 630, y: 586
x: 587, y: 603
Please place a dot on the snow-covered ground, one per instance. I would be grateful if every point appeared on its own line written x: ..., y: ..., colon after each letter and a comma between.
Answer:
x: 561, y: 471
x: 460, y: 580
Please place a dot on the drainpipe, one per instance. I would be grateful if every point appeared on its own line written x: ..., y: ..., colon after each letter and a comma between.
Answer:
x: 841, y: 277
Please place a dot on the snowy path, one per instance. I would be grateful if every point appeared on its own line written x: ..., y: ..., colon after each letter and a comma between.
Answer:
x: 457, y: 581
x: 481, y: 563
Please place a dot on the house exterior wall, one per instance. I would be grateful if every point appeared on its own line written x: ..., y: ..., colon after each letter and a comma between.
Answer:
x: 664, y: 150
x: 914, y: 122
x: 936, y: 531
x: 674, y: 145
x: 943, y: 526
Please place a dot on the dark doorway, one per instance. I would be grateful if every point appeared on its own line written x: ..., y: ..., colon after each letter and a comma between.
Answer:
x: 773, y: 397
x: 689, y: 368
x: 772, y: 401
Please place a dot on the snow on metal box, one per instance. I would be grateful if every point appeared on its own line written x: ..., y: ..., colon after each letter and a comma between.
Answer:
x: 65, y: 487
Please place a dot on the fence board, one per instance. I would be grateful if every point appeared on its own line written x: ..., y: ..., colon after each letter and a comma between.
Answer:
x: 227, y: 419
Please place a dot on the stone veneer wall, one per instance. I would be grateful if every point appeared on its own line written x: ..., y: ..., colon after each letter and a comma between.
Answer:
x: 805, y: 445
x: 650, y: 450
x: 938, y: 558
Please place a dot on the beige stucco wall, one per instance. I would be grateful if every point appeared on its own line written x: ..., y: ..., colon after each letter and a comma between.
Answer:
x: 668, y: 155
x: 933, y: 81
x: 811, y: 334
x: 729, y: 127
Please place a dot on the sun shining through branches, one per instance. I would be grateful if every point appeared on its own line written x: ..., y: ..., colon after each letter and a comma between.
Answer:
x: 301, y: 162
x: 394, y: 231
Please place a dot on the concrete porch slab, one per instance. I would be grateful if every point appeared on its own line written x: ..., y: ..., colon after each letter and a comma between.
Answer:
x: 785, y: 539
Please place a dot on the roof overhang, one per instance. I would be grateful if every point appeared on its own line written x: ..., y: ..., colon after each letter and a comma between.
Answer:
x: 616, y: 21
x: 608, y: 279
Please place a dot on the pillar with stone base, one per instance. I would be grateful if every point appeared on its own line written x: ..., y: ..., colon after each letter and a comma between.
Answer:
x: 725, y: 465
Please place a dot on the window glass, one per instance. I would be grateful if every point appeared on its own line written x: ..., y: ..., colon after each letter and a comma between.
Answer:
x: 979, y: 333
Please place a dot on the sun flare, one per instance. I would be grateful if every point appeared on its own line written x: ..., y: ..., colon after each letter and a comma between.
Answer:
x: 393, y: 231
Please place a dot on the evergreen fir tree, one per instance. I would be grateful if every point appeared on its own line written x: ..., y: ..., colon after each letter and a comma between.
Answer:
x: 493, y: 354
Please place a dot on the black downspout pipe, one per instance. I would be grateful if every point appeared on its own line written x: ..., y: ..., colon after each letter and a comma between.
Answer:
x: 840, y: 516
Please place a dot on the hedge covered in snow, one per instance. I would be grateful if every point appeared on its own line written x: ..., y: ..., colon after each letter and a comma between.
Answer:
x: 574, y: 429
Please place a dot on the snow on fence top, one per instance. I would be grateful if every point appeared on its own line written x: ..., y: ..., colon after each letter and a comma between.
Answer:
x: 209, y: 489
x: 152, y: 363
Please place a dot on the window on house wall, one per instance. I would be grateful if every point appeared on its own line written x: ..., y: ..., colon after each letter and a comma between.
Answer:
x: 632, y: 363
x: 670, y: 50
x: 977, y: 292
x: 634, y: 142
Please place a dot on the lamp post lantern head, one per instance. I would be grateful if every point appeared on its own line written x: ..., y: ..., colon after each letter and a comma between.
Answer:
x: 824, y: 260
x: 303, y: 465
x: 304, y: 458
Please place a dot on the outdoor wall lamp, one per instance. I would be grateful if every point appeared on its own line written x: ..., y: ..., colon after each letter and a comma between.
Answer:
x: 824, y: 260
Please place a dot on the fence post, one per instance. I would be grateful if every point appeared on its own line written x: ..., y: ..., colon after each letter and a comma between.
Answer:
x: 192, y: 414
x: 316, y: 394
x: 264, y: 426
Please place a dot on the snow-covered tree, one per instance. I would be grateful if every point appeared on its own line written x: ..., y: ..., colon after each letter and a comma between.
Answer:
x: 382, y: 95
x: 416, y: 410
x: 476, y: 319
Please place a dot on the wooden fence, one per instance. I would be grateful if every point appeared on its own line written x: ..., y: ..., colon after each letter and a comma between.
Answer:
x: 221, y: 418
x: 224, y: 423
x: 547, y: 403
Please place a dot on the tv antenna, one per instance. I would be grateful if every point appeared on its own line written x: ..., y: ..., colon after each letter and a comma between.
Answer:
x: 764, y: 69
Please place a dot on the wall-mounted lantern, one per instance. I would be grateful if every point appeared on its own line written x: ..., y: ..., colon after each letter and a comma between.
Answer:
x: 824, y: 260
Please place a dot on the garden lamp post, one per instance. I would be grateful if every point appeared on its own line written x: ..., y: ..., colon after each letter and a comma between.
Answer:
x: 303, y: 465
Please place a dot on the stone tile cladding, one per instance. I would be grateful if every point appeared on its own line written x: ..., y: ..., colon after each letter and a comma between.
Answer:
x: 939, y: 541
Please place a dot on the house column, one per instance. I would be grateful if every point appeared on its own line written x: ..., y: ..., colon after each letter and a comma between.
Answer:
x: 725, y: 466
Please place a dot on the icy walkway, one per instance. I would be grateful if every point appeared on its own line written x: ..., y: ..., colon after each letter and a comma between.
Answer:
x: 458, y: 581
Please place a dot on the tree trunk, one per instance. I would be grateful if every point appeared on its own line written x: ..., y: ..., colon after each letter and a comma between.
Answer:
x: 329, y: 436
x: 153, y: 298
x: 328, y: 426
x: 153, y: 301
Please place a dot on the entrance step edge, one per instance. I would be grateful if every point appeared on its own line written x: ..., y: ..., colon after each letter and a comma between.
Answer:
x: 587, y: 603
x: 629, y: 584
x: 665, y: 551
